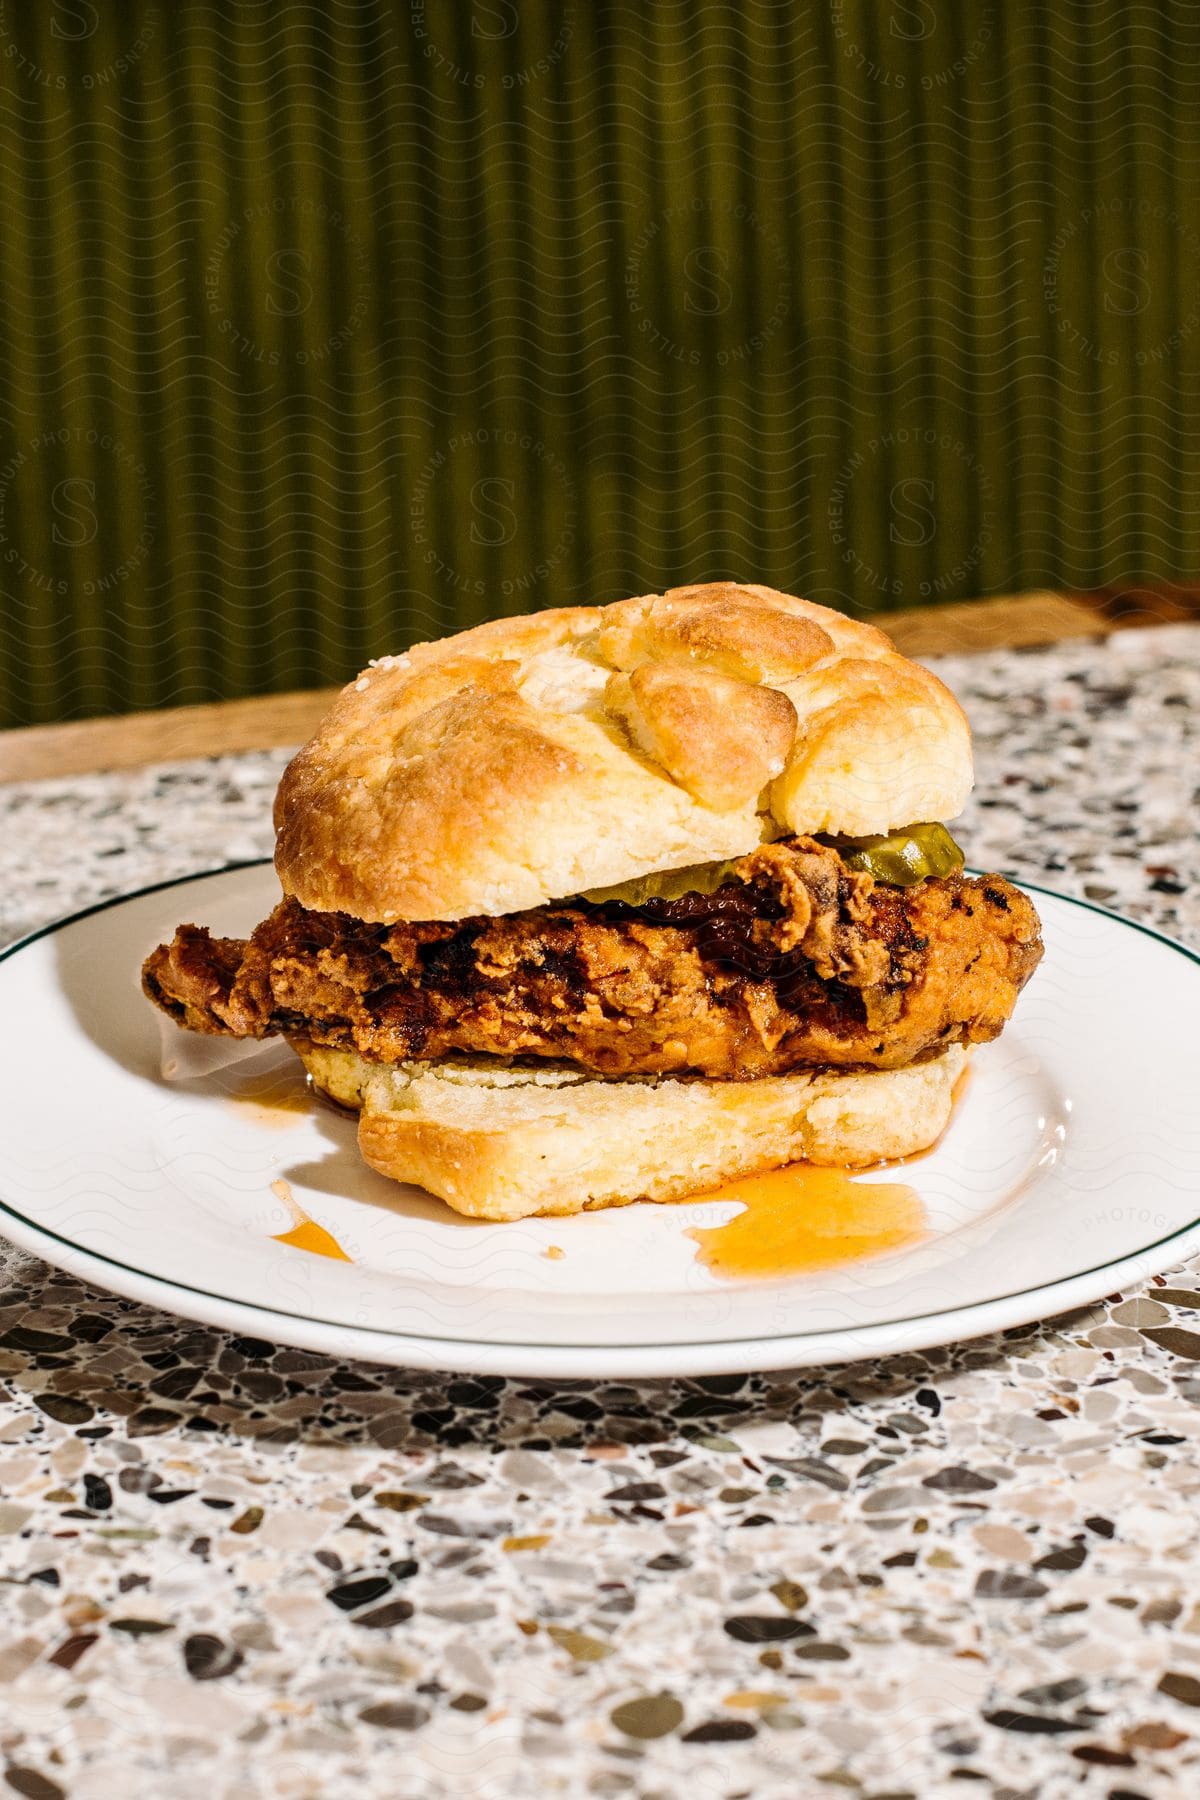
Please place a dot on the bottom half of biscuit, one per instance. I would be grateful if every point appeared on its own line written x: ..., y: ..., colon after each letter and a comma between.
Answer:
x: 507, y: 1141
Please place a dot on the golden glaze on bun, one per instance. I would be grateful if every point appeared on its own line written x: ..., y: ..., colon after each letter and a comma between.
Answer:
x: 503, y: 1142
x: 530, y: 758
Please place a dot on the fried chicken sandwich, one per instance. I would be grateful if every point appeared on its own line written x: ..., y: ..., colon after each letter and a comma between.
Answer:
x: 615, y: 903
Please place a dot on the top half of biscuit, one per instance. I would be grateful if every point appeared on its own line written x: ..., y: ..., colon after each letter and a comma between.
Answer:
x: 534, y: 757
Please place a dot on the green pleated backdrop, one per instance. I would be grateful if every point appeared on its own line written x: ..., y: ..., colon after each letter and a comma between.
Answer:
x: 328, y: 326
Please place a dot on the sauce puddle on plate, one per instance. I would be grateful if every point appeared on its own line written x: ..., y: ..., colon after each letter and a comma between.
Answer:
x: 802, y: 1218
x: 305, y: 1233
x: 273, y: 1101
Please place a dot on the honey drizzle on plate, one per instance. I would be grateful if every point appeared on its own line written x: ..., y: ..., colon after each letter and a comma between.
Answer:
x: 800, y: 1218
x: 271, y: 1100
x: 305, y: 1233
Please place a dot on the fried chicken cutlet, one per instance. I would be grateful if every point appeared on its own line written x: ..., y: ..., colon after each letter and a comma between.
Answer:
x: 796, y: 961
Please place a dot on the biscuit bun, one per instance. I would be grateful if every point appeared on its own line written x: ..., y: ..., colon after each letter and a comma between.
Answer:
x: 503, y: 1142
x: 531, y: 758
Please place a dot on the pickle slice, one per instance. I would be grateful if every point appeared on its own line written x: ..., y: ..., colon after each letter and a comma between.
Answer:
x: 665, y: 884
x: 898, y: 859
x: 902, y: 858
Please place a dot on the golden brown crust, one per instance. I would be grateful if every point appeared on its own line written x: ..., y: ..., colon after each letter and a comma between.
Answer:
x: 721, y: 739
x: 797, y: 962
x: 721, y: 626
x: 534, y: 757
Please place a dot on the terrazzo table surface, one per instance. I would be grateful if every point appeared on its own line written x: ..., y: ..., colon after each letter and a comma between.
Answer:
x: 232, y: 1570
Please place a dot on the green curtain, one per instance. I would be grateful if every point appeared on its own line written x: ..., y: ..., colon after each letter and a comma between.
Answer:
x: 324, y: 327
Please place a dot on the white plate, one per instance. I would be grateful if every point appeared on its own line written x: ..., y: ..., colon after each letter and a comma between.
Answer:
x: 1071, y: 1167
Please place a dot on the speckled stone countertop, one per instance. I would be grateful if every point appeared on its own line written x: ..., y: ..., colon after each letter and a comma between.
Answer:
x: 232, y: 1570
